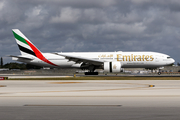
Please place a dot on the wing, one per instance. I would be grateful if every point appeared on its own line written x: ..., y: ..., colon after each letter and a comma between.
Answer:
x: 78, y: 59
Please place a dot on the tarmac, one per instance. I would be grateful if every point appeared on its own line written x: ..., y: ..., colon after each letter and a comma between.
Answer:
x: 89, y: 99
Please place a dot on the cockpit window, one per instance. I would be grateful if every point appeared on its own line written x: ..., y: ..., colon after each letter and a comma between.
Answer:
x: 168, y: 57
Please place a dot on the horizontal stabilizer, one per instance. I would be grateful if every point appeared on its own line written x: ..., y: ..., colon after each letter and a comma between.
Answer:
x: 21, y: 57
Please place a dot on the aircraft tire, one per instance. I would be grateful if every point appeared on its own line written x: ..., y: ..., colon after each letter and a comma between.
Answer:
x: 159, y: 73
x: 91, y: 73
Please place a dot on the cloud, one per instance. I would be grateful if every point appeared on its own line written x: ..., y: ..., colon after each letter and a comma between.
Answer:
x: 67, y: 15
x: 95, y: 25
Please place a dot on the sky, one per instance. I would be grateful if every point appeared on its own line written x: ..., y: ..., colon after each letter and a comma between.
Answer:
x: 92, y: 25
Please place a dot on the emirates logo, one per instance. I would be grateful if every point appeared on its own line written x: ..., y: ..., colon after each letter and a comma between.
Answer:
x: 114, y: 66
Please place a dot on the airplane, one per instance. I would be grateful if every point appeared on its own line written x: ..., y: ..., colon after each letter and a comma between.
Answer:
x: 110, y: 62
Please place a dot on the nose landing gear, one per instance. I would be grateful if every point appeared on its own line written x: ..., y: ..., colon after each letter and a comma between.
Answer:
x: 159, y: 73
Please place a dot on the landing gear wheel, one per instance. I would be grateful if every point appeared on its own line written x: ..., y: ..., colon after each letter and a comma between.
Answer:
x: 91, y: 73
x: 159, y: 73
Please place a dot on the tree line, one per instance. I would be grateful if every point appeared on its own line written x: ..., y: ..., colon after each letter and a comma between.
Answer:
x: 21, y: 66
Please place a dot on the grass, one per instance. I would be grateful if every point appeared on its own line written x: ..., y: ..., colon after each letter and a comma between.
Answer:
x: 103, y: 78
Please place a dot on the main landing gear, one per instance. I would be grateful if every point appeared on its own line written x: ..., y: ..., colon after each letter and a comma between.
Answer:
x: 91, y: 70
x: 91, y: 73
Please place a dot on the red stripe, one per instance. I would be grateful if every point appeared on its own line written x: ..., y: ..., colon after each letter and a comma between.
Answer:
x: 39, y: 54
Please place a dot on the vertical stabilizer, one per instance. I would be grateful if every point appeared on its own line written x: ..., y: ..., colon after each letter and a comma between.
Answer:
x: 27, y: 48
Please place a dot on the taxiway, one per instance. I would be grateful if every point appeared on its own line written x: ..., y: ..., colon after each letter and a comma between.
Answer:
x: 90, y: 99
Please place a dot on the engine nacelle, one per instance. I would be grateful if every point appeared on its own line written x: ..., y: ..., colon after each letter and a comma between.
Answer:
x: 113, y: 67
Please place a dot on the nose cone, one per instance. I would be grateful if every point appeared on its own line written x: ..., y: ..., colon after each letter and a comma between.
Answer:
x: 173, y: 61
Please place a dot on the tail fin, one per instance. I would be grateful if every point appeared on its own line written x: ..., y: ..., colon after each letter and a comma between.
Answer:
x: 25, y: 46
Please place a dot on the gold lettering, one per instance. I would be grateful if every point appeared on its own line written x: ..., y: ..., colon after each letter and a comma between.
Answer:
x: 131, y: 57
x: 151, y: 57
x: 114, y: 67
x: 119, y: 57
x: 135, y: 57
x: 103, y: 56
x: 126, y: 56
x: 143, y: 57
x: 147, y: 57
x: 111, y: 55
x: 139, y: 58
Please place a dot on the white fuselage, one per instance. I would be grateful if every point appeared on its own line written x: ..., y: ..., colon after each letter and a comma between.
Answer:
x: 127, y: 59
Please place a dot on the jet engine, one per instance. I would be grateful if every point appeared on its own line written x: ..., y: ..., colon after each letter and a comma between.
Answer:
x: 112, y: 67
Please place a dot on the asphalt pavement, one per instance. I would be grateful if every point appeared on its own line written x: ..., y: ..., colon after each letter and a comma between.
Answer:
x: 89, y: 99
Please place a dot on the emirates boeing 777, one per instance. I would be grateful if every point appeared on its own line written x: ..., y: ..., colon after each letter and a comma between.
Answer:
x: 108, y: 61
